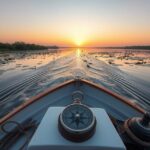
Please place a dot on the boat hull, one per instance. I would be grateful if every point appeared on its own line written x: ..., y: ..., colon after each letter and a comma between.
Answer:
x: 94, y: 96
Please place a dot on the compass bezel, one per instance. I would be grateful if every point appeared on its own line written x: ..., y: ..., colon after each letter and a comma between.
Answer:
x: 77, y: 135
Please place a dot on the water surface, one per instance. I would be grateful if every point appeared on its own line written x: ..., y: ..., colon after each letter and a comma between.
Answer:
x: 25, y: 74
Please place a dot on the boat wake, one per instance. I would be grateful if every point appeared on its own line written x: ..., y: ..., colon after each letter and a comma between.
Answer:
x: 66, y: 68
x: 121, y: 83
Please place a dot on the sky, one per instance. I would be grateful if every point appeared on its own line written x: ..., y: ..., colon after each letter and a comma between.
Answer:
x: 76, y: 22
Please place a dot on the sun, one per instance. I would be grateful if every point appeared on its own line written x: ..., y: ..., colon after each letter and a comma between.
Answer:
x: 79, y: 42
x: 79, y: 36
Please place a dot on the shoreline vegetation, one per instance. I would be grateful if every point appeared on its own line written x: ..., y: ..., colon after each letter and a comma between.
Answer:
x: 115, y: 47
x: 21, y: 46
x: 129, y: 47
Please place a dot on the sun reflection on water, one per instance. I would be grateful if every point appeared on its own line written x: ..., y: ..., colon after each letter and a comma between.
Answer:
x: 78, y: 52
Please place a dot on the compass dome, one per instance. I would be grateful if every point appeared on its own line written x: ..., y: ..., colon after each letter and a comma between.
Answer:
x: 77, y: 122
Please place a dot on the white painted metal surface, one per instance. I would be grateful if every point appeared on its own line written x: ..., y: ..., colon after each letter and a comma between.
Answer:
x: 47, y: 136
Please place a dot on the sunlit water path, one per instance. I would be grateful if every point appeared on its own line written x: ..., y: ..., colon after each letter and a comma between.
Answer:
x: 18, y: 85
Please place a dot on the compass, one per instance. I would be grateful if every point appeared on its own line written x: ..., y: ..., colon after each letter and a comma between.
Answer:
x: 77, y: 122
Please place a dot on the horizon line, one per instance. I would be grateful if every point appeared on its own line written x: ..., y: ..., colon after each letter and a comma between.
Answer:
x: 47, y: 45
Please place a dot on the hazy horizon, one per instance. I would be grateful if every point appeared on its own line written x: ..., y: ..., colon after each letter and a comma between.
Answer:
x: 72, y: 23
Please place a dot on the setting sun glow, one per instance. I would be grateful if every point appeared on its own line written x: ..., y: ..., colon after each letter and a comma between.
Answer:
x: 75, y: 22
x: 79, y: 42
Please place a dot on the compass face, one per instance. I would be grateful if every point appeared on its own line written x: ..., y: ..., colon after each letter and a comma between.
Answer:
x: 77, y: 122
x: 77, y: 117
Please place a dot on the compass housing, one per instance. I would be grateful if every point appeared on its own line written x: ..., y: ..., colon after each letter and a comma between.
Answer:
x: 77, y: 123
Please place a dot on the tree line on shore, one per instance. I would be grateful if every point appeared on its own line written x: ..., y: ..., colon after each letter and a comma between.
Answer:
x: 24, y: 46
x: 128, y: 47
